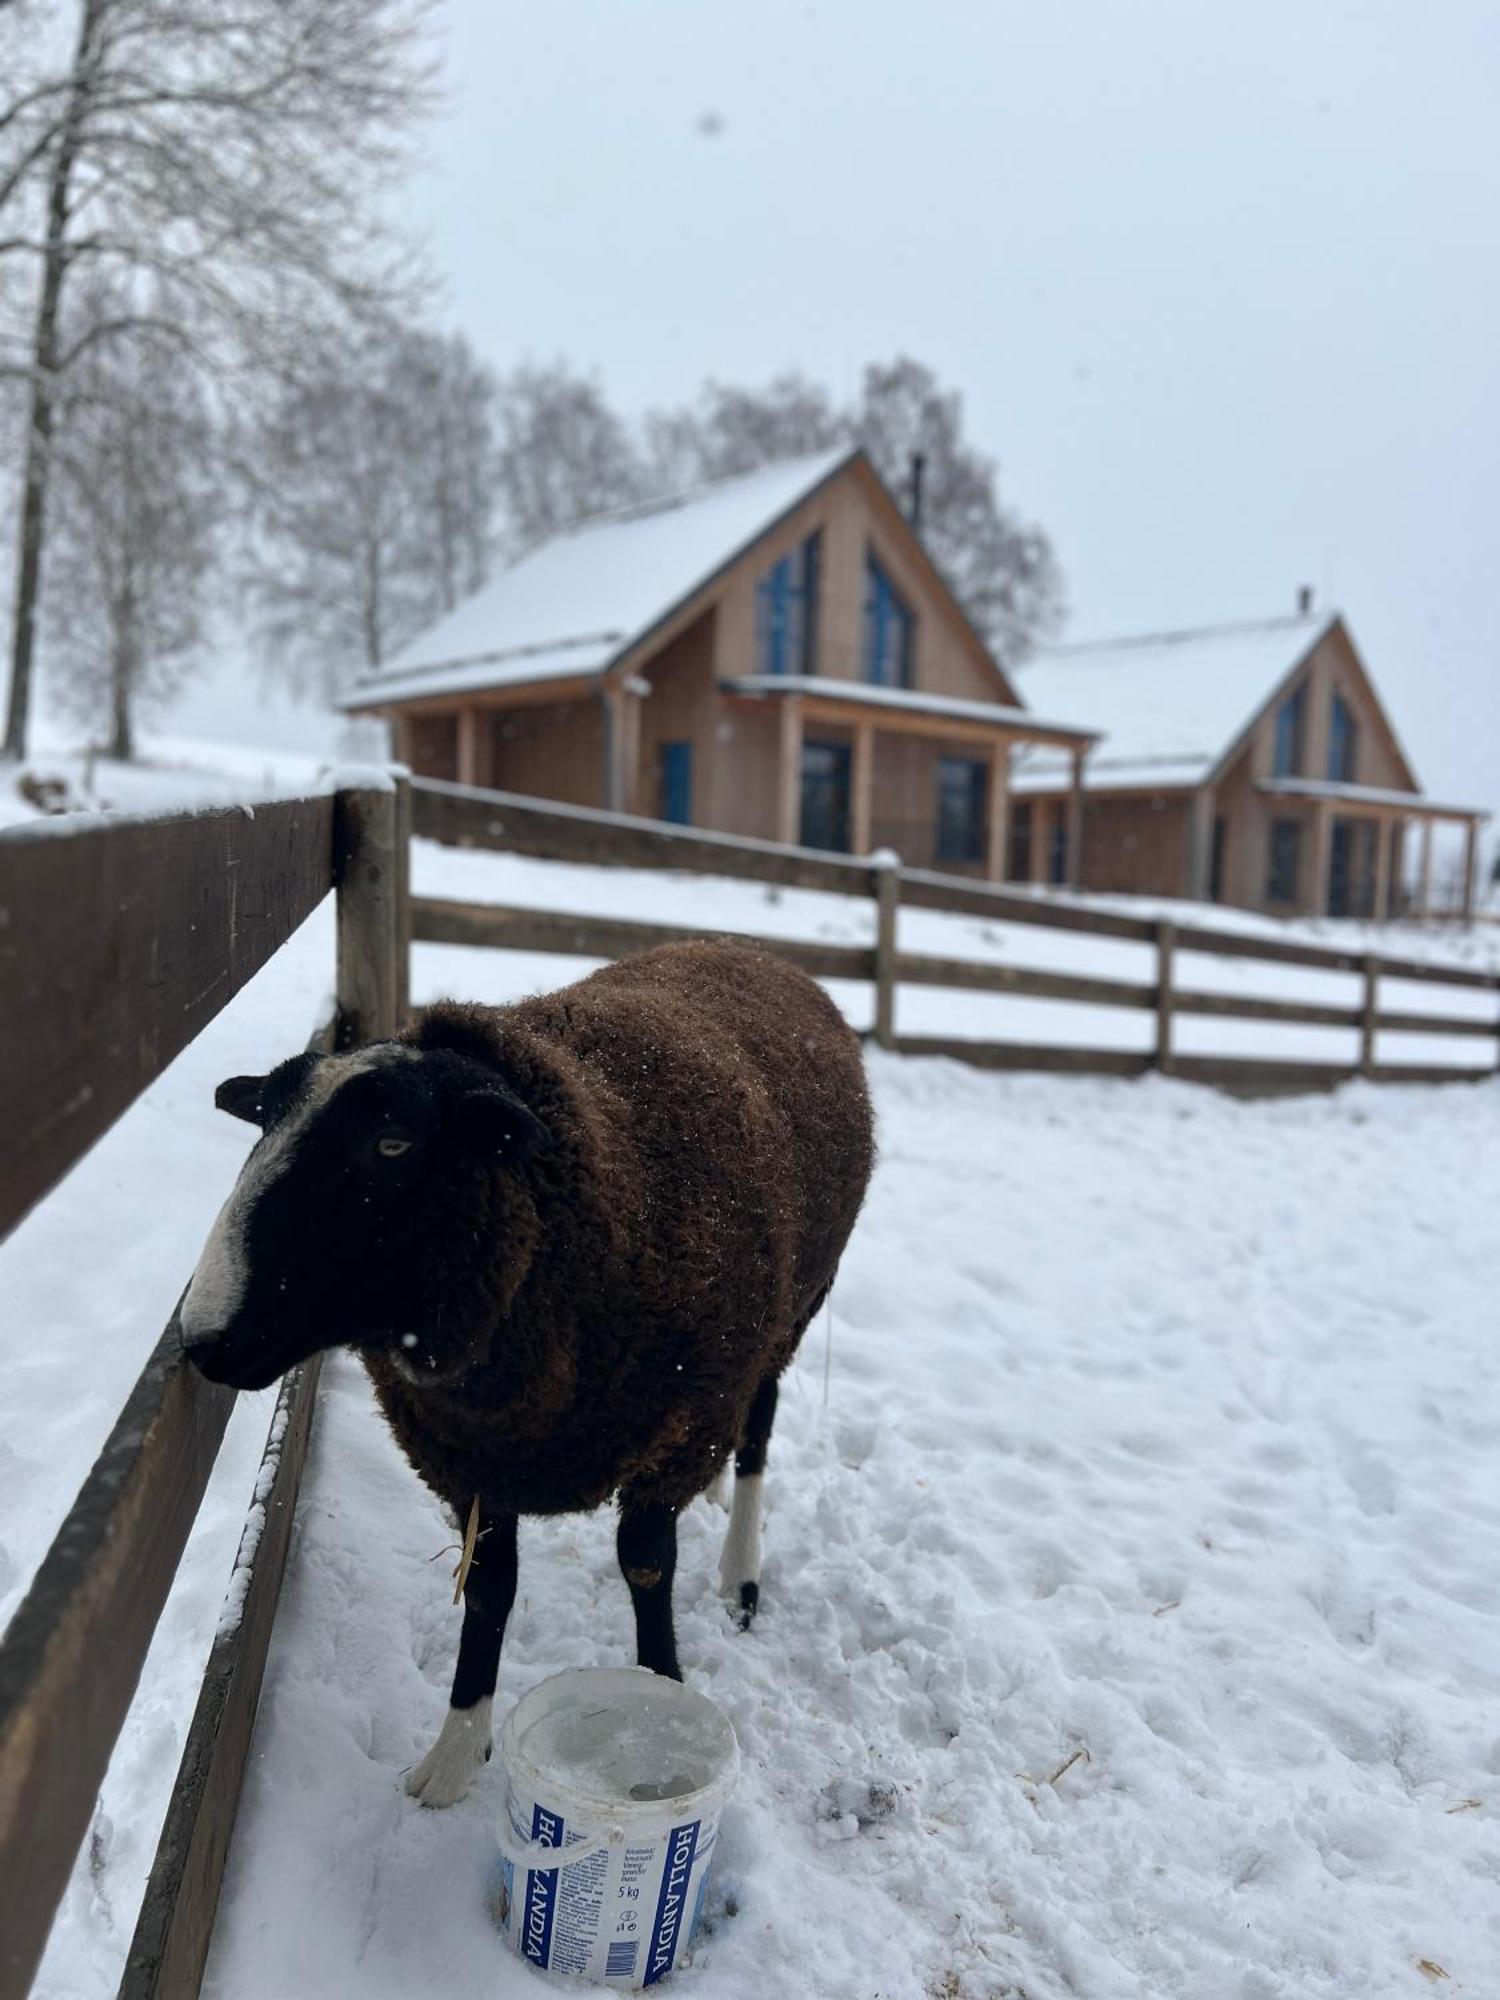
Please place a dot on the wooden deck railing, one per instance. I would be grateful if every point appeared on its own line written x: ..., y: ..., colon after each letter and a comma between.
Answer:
x: 120, y: 941
x: 530, y: 827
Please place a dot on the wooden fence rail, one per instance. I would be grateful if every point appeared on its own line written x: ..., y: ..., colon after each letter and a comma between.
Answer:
x: 512, y: 824
x: 120, y: 941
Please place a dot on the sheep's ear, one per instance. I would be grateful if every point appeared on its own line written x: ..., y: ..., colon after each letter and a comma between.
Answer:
x: 240, y: 1097
x: 495, y: 1122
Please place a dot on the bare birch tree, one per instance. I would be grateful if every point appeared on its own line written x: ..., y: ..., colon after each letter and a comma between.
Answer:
x: 214, y: 164
x: 564, y: 454
x: 375, y: 481
x: 138, y: 514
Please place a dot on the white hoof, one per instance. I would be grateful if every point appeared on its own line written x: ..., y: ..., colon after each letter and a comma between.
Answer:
x: 739, y: 1565
x: 447, y: 1771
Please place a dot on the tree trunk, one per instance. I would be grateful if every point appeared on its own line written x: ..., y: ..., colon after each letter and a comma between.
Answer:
x: 121, y: 735
x: 43, y: 405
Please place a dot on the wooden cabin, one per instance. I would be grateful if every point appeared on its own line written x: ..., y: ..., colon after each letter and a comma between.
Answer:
x: 771, y: 655
x: 1250, y: 764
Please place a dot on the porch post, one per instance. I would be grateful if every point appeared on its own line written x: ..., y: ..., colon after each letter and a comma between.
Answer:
x: 1075, y: 822
x: 1471, y: 856
x: 621, y: 744
x: 1385, y: 829
x: 999, y: 844
x: 1316, y: 897
x: 1200, y: 843
x: 789, y: 772
x: 1424, y: 893
x: 468, y: 745
x: 861, y: 786
x: 1041, y: 840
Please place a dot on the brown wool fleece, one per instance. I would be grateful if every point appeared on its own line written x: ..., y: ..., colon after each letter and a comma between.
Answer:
x: 631, y: 1285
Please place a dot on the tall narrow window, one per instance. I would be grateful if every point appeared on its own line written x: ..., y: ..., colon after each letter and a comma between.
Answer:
x: 1216, y: 860
x: 1286, y: 849
x: 825, y: 796
x: 786, y: 611
x: 890, y: 630
x: 1343, y: 741
x: 677, y: 783
x: 1018, y: 862
x: 1286, y: 760
x: 960, y: 809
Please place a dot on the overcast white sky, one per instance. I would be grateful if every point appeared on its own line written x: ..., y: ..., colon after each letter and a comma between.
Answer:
x: 1218, y: 281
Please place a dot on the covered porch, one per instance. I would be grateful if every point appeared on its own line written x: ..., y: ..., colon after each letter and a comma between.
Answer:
x: 1358, y: 838
x: 859, y: 769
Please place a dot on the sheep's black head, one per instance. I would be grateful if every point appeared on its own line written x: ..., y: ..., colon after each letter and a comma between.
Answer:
x: 381, y: 1208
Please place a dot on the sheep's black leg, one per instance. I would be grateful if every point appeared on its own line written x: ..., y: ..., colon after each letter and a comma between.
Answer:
x: 647, y: 1545
x: 445, y: 1773
x: 739, y: 1566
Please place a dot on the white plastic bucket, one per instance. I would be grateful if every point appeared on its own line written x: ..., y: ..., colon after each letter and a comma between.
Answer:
x: 626, y: 1774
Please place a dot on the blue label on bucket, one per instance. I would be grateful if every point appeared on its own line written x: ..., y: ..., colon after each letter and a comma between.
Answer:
x: 541, y: 1892
x: 681, y: 1849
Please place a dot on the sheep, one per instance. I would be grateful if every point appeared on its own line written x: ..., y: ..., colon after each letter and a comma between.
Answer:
x: 575, y: 1242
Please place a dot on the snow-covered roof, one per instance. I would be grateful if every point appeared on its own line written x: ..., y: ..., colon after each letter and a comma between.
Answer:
x: 1365, y: 795
x: 1170, y: 704
x: 580, y: 599
x: 912, y: 700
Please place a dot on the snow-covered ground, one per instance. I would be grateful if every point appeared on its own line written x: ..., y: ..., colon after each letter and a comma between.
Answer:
x: 1140, y: 1551
x: 1157, y: 1427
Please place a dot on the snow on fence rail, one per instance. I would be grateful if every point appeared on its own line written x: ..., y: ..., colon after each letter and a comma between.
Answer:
x: 120, y: 940
x: 524, y: 826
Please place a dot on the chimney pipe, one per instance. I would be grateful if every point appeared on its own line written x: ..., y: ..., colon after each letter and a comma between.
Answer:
x: 1304, y: 599
x: 914, y: 503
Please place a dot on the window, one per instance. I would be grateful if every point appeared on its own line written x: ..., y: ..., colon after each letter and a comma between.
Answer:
x: 1286, y: 761
x: 677, y: 783
x: 960, y: 809
x: 1057, y: 849
x: 1216, y: 860
x: 890, y: 629
x: 825, y: 796
x: 786, y: 611
x: 1343, y: 740
x: 1018, y: 861
x: 1286, y: 851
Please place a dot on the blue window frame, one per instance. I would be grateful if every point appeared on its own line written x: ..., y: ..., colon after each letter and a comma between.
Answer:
x: 1343, y: 741
x: 677, y: 783
x: 960, y: 809
x: 890, y: 630
x: 1286, y: 760
x: 786, y: 611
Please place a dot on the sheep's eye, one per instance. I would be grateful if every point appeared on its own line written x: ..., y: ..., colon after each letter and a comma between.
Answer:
x: 392, y: 1149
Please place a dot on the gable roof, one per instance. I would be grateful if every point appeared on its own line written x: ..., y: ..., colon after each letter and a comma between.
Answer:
x: 577, y: 601
x: 1171, y: 704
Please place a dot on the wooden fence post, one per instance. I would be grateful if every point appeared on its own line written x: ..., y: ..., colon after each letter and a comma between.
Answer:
x: 367, y: 870
x: 1166, y: 944
x: 403, y: 897
x: 886, y: 886
x: 1371, y: 1013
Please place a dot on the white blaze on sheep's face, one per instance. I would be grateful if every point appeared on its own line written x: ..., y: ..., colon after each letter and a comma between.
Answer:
x: 351, y: 1212
x: 218, y: 1285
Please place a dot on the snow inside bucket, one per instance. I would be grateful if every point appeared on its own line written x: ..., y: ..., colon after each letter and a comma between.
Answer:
x: 627, y: 1774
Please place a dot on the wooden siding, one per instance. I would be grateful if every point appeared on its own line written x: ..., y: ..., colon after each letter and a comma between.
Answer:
x: 549, y: 751
x: 1136, y: 843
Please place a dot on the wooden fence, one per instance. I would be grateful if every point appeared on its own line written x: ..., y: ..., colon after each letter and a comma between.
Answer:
x: 517, y: 825
x: 120, y: 940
